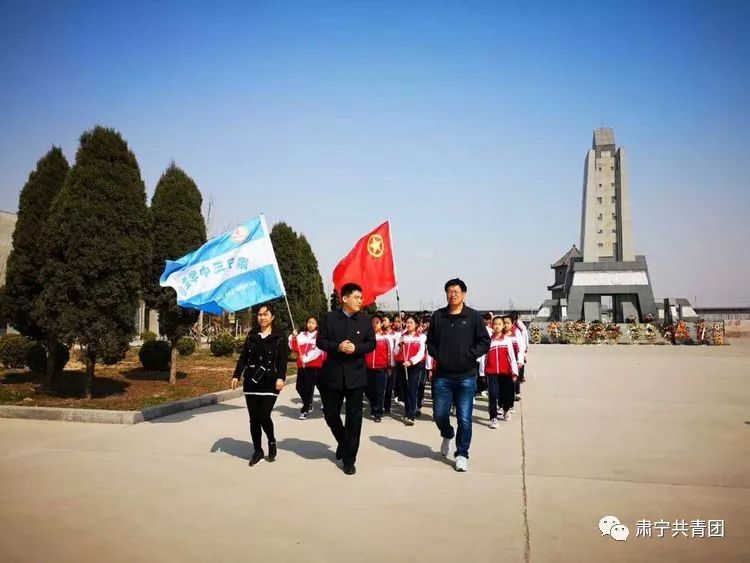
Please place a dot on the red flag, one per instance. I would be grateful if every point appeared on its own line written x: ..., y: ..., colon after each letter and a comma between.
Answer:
x: 369, y: 264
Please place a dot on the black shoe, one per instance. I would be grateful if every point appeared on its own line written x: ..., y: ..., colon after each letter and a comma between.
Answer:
x: 339, y: 452
x: 272, y: 451
x: 377, y: 419
x: 418, y: 414
x: 350, y: 469
x: 387, y: 411
x: 257, y: 458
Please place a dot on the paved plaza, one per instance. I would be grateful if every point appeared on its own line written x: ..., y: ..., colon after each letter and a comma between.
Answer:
x: 640, y: 433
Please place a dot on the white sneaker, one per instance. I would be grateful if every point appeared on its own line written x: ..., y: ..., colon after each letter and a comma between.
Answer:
x: 303, y: 416
x: 518, y: 397
x: 484, y: 394
x: 506, y: 416
x: 446, y: 448
x: 462, y: 464
x: 493, y: 423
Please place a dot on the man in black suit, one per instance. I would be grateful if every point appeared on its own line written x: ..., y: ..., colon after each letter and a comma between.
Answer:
x: 346, y: 335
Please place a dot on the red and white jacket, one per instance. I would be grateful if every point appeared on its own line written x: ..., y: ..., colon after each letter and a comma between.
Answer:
x: 524, y: 330
x: 382, y: 356
x: 395, y: 336
x: 411, y: 348
x: 308, y: 354
x: 501, y: 357
x: 519, y: 344
x: 482, y: 360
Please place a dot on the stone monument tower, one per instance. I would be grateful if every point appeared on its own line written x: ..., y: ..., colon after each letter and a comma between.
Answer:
x: 606, y: 265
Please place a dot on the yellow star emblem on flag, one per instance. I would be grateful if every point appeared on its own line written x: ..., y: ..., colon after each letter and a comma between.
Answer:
x: 375, y: 246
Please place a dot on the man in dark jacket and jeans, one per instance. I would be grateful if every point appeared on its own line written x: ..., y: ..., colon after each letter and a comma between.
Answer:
x: 347, y: 335
x: 457, y: 337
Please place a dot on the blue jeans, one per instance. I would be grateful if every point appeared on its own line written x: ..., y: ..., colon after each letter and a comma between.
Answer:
x: 446, y: 391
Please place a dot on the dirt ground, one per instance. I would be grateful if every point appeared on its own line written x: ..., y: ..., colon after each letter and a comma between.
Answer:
x: 123, y: 386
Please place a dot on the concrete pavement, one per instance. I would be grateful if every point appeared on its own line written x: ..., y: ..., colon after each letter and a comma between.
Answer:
x: 636, y: 432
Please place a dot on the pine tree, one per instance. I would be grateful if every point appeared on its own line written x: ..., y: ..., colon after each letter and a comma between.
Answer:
x: 98, y: 241
x: 334, y: 301
x: 23, y: 282
x: 302, y: 281
x: 289, y: 256
x: 314, y: 294
x: 177, y: 228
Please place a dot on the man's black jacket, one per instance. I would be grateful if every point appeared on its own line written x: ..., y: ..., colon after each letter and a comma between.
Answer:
x: 345, y: 371
x: 456, y: 341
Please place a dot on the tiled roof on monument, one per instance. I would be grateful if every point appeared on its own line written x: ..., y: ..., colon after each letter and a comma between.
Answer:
x: 567, y: 257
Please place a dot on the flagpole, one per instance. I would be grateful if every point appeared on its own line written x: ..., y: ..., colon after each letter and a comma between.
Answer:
x: 395, y: 270
x: 289, y: 309
x: 398, y: 299
x: 278, y: 271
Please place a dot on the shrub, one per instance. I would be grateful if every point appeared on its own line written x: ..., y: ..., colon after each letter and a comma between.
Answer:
x: 155, y: 355
x: 148, y: 336
x: 186, y: 346
x: 36, y: 357
x: 13, y: 348
x: 223, y: 345
x: 239, y: 342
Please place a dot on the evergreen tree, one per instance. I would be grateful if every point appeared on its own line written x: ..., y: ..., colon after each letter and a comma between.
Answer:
x: 314, y: 295
x: 334, y: 301
x: 302, y: 281
x: 177, y: 228
x: 23, y: 282
x: 98, y: 242
x: 289, y: 256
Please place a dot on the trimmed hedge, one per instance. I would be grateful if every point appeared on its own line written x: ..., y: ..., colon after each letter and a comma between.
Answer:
x: 223, y: 345
x: 186, y: 346
x: 155, y: 355
x: 13, y: 349
x: 36, y: 357
x: 148, y: 336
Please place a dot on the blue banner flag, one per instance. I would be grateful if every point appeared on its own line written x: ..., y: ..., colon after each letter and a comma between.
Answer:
x: 230, y: 272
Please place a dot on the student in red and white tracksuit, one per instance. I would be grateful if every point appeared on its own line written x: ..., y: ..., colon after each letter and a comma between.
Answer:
x: 393, y: 388
x: 428, y: 361
x: 410, y: 354
x: 378, y: 361
x: 521, y: 347
x: 501, y: 370
x: 519, y: 326
x: 309, y: 362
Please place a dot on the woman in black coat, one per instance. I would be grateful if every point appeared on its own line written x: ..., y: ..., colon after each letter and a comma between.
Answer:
x: 262, y: 365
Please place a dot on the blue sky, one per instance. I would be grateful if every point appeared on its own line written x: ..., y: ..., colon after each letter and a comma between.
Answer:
x: 465, y: 123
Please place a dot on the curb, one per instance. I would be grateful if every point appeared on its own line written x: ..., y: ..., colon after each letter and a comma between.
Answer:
x: 121, y: 417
